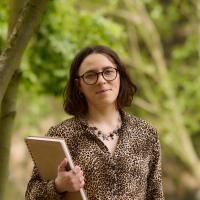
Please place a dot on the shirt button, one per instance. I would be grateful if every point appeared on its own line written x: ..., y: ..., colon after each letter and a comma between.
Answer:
x: 113, y: 167
x: 114, y: 193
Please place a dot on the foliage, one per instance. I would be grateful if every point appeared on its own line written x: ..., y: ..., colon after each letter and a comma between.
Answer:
x: 177, y: 23
x: 68, y: 26
x: 61, y: 35
x: 3, y: 23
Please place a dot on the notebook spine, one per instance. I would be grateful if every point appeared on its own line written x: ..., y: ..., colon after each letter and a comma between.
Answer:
x: 29, y: 149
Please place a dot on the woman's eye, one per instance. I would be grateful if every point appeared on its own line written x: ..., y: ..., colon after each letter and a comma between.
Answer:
x: 107, y: 72
x: 90, y: 76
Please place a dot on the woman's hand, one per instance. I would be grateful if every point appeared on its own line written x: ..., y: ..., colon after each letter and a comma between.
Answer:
x: 70, y: 181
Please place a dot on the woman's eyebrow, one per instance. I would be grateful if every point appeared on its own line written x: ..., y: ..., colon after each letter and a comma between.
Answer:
x: 93, y: 70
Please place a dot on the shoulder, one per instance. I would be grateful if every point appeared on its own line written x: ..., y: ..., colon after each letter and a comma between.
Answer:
x: 138, y: 122
x: 63, y: 128
x: 142, y: 127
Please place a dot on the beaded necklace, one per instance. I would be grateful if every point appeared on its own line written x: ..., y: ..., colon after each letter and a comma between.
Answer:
x: 107, y: 136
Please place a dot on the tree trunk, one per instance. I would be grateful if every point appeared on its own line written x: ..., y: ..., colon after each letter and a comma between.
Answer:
x: 24, y: 17
x: 6, y: 123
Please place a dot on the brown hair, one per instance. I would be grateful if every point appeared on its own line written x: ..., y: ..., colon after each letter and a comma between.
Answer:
x: 75, y: 102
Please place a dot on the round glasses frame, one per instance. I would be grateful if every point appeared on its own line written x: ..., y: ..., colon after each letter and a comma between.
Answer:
x: 97, y: 76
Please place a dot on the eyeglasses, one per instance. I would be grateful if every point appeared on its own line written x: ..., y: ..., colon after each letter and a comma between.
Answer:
x: 91, y: 77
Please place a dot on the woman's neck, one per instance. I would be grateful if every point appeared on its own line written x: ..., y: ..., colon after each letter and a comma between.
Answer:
x: 103, y: 116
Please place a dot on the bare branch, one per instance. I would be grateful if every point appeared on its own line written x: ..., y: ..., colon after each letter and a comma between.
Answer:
x: 149, y: 107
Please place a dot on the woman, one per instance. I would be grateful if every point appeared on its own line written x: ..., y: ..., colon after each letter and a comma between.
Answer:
x: 117, y: 155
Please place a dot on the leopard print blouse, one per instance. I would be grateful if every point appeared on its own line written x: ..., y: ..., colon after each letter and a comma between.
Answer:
x: 132, y: 173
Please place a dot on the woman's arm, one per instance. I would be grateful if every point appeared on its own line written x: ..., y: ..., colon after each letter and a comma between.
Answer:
x: 39, y: 189
x: 154, y: 182
x: 65, y: 181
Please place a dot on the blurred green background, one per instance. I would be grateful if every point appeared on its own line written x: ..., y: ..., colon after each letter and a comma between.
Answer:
x: 157, y: 40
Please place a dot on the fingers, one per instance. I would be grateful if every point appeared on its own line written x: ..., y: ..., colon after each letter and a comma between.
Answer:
x: 62, y: 166
x: 73, y: 179
x: 79, y: 175
x: 82, y: 182
x: 77, y: 169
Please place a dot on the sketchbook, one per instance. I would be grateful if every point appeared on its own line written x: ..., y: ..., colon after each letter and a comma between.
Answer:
x: 47, y: 153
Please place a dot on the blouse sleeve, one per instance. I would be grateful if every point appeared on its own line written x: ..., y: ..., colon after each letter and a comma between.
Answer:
x: 40, y: 189
x: 154, y: 182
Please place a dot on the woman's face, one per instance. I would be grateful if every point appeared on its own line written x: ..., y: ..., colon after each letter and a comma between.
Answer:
x: 103, y: 92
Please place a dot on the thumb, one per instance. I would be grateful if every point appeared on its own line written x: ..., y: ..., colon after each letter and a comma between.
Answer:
x: 62, y: 166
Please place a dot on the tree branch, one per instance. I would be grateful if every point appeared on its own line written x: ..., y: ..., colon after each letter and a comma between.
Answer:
x: 18, y: 40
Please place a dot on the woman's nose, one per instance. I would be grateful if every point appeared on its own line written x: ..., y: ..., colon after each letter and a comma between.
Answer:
x: 100, y: 78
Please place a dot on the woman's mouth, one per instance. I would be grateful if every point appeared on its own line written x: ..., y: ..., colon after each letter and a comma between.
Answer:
x: 102, y: 91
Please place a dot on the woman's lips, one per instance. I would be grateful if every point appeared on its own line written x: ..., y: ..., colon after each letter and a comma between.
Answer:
x: 102, y: 91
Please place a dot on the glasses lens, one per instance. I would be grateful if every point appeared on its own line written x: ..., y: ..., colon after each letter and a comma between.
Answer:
x: 90, y: 77
x: 109, y: 74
